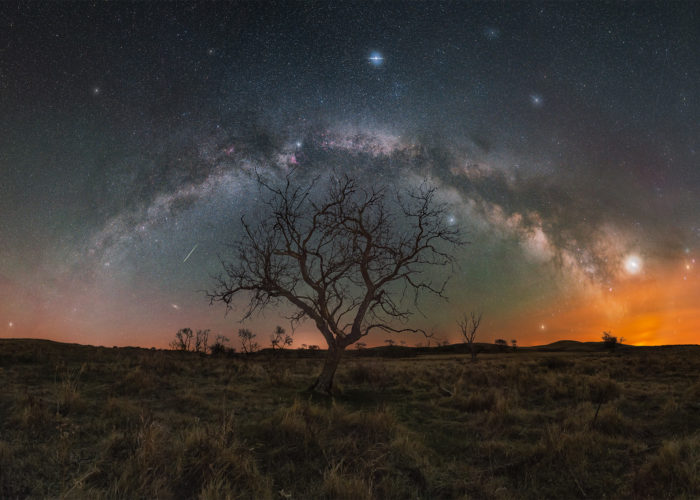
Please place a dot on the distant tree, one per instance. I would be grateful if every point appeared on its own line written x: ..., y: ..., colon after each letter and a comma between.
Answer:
x: 502, y: 344
x: 220, y: 347
x: 248, y: 343
x: 183, y: 339
x: 514, y: 343
x: 201, y: 341
x: 360, y: 345
x: 468, y: 326
x: 402, y: 342
x: 389, y: 342
x: 314, y: 348
x: 342, y: 256
x: 609, y: 340
x: 280, y: 339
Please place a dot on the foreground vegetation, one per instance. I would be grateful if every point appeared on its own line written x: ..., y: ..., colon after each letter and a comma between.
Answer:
x: 79, y: 421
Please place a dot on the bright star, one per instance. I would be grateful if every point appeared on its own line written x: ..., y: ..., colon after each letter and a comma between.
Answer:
x: 10, y: 324
x: 175, y: 306
x: 451, y: 219
x: 376, y: 59
x: 536, y: 100
x: 633, y: 264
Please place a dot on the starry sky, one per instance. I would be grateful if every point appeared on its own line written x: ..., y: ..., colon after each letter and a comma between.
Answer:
x: 564, y: 136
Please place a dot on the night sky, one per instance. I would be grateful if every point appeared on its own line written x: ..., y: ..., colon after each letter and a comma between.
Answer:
x: 565, y: 137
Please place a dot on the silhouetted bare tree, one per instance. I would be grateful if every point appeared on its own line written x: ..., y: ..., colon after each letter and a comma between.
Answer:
x: 468, y: 325
x: 248, y: 344
x: 280, y: 339
x: 183, y: 339
x: 609, y: 340
x: 343, y: 256
x: 201, y: 341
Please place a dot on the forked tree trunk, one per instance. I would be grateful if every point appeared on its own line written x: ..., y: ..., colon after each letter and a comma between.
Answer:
x: 324, y: 382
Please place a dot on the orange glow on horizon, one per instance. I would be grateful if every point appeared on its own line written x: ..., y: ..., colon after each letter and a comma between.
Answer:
x: 657, y: 306
x: 655, y: 309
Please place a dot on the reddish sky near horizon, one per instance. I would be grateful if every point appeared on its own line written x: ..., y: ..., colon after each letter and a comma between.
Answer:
x: 563, y: 136
x: 654, y: 307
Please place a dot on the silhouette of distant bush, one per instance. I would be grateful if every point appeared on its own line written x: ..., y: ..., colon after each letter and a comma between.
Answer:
x: 188, y: 340
x: 609, y: 340
x: 220, y: 347
x: 183, y: 339
x: 248, y: 344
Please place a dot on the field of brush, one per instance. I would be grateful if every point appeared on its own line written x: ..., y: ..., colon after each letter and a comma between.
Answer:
x: 88, y: 422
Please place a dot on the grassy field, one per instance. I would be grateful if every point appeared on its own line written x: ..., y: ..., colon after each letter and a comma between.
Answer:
x: 88, y: 422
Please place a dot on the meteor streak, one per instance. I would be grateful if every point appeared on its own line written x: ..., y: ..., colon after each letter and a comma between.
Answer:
x: 191, y: 251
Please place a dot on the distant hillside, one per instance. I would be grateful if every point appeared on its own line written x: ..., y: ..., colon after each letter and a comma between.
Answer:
x: 572, y: 346
x: 39, y: 350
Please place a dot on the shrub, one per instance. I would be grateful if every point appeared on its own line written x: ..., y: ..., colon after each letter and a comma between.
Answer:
x: 673, y: 472
x: 609, y: 340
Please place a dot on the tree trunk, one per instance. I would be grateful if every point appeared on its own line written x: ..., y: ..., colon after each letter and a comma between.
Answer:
x: 472, y: 348
x: 324, y: 382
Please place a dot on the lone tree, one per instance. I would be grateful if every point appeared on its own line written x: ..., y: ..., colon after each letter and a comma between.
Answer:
x: 468, y: 325
x: 609, y: 340
x: 341, y: 255
x: 248, y: 343
x: 201, y: 341
x: 280, y: 339
x: 183, y: 339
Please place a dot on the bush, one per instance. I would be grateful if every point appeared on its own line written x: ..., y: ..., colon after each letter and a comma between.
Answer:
x: 609, y: 340
x: 674, y: 472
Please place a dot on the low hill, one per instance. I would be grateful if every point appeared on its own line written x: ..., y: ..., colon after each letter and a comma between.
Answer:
x: 572, y: 346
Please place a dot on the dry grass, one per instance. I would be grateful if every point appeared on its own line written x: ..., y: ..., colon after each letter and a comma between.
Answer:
x: 84, y: 422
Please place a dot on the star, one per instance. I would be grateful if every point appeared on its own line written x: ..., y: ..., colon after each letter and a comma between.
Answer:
x: 96, y: 91
x: 536, y: 100
x: 633, y: 264
x: 10, y: 324
x: 492, y: 33
x: 376, y: 59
